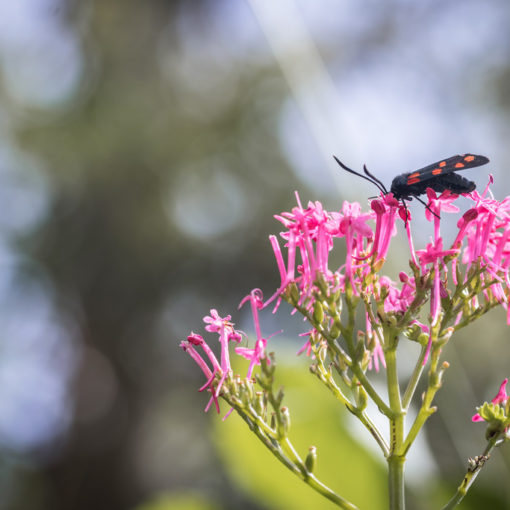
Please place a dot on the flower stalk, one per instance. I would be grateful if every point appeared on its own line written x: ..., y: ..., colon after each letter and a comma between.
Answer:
x: 357, y: 318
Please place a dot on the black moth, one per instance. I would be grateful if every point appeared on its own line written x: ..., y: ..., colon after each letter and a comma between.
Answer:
x: 439, y: 176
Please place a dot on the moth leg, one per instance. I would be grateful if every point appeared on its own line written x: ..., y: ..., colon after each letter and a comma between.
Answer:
x: 427, y: 207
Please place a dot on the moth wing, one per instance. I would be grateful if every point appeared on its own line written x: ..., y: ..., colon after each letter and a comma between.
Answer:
x: 446, y: 166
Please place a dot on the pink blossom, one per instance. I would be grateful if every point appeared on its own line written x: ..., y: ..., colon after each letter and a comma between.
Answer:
x: 189, y: 345
x: 307, y: 346
x: 353, y: 226
x: 462, y: 224
x: 385, y: 226
x: 254, y: 355
x: 437, y: 204
x: 443, y: 202
x: 434, y: 252
x: 226, y: 331
x: 302, y: 252
x: 397, y: 300
x: 309, y: 235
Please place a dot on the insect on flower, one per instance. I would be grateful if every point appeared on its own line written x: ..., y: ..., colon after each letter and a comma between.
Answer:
x: 439, y: 176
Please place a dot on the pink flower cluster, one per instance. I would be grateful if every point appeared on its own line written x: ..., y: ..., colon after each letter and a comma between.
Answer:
x: 311, y: 233
x: 482, y: 241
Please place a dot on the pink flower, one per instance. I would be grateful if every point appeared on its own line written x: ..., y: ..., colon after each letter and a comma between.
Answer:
x: 226, y: 331
x: 398, y: 300
x: 307, y: 346
x: 434, y: 252
x: 254, y: 355
x: 385, y: 226
x: 440, y: 203
x: 500, y: 398
x: 462, y: 224
x: 309, y: 235
x: 189, y: 345
x: 437, y: 204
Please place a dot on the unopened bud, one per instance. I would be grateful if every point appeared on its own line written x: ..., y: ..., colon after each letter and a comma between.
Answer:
x: 318, y: 312
x: 361, y: 398
x: 260, y: 408
x: 311, y: 459
x: 293, y: 293
x: 285, y: 416
x: 249, y: 389
x: 379, y: 264
x: 279, y: 396
x: 334, y: 331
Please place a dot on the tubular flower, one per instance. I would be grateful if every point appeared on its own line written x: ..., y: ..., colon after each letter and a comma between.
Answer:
x: 478, y: 258
x: 254, y: 355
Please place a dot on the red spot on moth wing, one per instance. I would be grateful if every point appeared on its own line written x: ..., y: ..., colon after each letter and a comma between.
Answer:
x: 413, y: 180
x: 413, y: 175
x: 459, y: 165
x: 436, y: 171
x: 469, y: 158
x: 442, y: 164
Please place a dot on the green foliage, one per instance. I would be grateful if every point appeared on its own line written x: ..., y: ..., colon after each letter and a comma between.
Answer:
x: 177, y: 501
x: 342, y: 463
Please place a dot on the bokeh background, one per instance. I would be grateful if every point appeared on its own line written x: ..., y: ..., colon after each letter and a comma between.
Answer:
x: 144, y: 148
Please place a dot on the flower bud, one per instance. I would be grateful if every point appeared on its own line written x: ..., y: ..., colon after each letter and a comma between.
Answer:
x: 334, y: 331
x: 318, y: 312
x: 259, y: 404
x: 361, y: 398
x: 279, y: 396
x: 249, y: 389
x: 311, y: 459
x: 285, y: 416
x: 293, y: 293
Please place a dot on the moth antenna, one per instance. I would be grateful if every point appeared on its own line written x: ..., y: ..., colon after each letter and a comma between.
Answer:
x: 381, y: 186
x: 373, y: 180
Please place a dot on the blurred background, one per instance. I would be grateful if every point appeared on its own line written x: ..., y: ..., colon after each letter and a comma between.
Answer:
x: 144, y: 149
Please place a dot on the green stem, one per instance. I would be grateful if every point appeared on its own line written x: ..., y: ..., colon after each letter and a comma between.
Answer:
x: 348, y: 334
x: 328, y: 380
x: 378, y: 401
x: 363, y: 417
x: 470, y: 476
x: 396, y: 458
x: 285, y: 452
x: 396, y: 482
x: 415, y: 377
x: 328, y: 493
x: 426, y: 409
